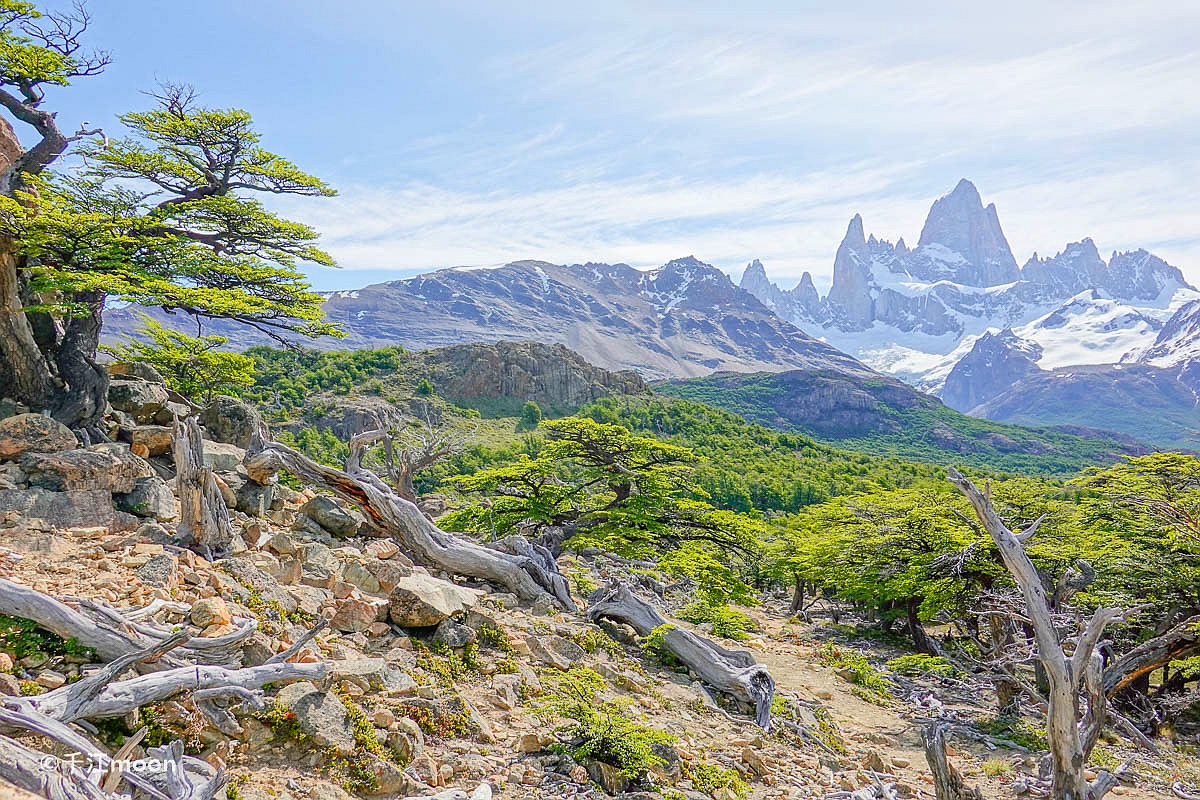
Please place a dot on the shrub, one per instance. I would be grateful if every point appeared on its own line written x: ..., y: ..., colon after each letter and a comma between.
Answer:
x: 916, y: 664
x: 424, y: 388
x: 855, y: 668
x: 997, y: 766
x: 708, y: 778
x: 195, y: 367
x: 600, y: 729
x: 726, y: 622
x: 531, y: 415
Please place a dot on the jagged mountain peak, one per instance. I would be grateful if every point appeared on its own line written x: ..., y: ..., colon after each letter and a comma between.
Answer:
x: 854, y: 232
x: 959, y: 224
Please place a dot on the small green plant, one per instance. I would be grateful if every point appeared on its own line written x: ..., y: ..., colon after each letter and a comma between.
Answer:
x: 917, y: 664
x: 1017, y: 731
x: 996, y: 766
x: 445, y: 666
x: 709, y: 778
x: 233, y: 789
x: 601, y: 730
x: 22, y: 638
x: 448, y: 720
x: 827, y: 732
x: 30, y: 688
x: 592, y: 640
x: 282, y: 722
x: 424, y: 388
x: 726, y: 622
x: 854, y: 666
x: 655, y: 644
x: 494, y: 637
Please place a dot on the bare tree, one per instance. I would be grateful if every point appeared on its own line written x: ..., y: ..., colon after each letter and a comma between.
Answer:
x: 431, y: 438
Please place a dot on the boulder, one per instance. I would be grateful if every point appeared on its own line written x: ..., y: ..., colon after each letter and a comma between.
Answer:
x: 33, y: 433
x: 135, y: 369
x: 453, y: 634
x: 356, y: 615
x: 255, y: 499
x: 229, y: 420
x: 419, y: 601
x: 109, y: 466
x: 223, y: 457
x: 59, y: 510
x: 210, y: 611
x: 320, y: 715
x: 373, y: 675
x: 609, y: 778
x: 327, y: 513
x: 161, y: 571
x: 151, y: 497
x: 137, y: 397
x: 155, y: 438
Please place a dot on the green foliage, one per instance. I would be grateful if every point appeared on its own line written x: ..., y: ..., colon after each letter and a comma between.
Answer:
x: 923, y: 431
x: 996, y: 766
x: 194, y: 367
x: 856, y: 667
x: 319, y: 445
x: 531, y: 415
x: 725, y: 621
x: 22, y: 638
x: 282, y: 722
x: 600, y: 729
x: 424, y: 388
x: 655, y: 644
x: 625, y: 493
x: 286, y: 379
x: 708, y: 778
x: 917, y: 664
x: 1017, y: 731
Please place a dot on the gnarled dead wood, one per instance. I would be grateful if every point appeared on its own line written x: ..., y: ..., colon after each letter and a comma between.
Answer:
x: 1180, y: 642
x: 730, y: 671
x: 204, y: 522
x: 948, y: 783
x: 414, y: 532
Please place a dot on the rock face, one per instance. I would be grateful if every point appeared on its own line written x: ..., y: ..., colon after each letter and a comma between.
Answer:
x: 994, y: 365
x: 151, y: 497
x: 110, y: 467
x: 327, y: 513
x: 684, y: 318
x: 959, y: 223
x: 320, y: 716
x: 552, y: 376
x: 33, y: 433
x: 139, y: 398
x: 419, y: 601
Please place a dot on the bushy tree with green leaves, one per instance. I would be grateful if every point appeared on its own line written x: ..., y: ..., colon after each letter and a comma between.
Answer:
x: 162, y: 217
x: 604, y: 486
x: 194, y: 366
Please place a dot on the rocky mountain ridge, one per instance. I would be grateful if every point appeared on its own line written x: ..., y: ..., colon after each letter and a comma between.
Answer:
x: 915, y: 313
x: 684, y: 318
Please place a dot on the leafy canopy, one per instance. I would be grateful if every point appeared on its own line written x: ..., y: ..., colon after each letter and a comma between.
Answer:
x: 193, y: 366
x: 165, y: 217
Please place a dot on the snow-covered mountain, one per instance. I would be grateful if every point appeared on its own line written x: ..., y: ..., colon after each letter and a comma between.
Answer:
x: 915, y: 313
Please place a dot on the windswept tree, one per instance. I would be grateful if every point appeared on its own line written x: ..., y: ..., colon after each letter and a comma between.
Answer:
x: 164, y: 217
x: 598, y: 484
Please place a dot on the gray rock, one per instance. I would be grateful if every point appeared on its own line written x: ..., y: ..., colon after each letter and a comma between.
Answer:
x: 255, y: 499
x: 33, y: 433
x: 251, y: 577
x: 138, y: 397
x: 61, y: 510
x: 420, y: 601
x: 609, y: 778
x: 151, y: 497
x: 320, y: 715
x: 162, y: 571
x: 108, y: 466
x: 453, y: 634
x: 232, y: 421
x: 157, y: 439
x: 331, y: 516
x: 223, y: 457
x: 373, y: 674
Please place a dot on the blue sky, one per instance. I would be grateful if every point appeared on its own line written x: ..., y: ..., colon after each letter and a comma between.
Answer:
x: 472, y: 133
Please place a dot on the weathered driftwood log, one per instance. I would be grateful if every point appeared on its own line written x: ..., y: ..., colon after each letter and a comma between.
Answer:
x: 948, y: 782
x: 524, y: 576
x: 731, y: 671
x: 1075, y: 713
x: 204, y: 522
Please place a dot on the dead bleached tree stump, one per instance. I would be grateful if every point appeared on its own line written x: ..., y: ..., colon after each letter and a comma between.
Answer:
x: 204, y: 523
x: 733, y: 672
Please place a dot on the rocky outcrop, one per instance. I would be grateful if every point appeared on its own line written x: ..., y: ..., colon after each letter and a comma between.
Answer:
x: 110, y: 467
x: 550, y: 375
x: 231, y: 421
x: 995, y: 364
x: 850, y: 297
x: 51, y: 510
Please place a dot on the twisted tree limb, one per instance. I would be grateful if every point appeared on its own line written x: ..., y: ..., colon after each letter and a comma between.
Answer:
x: 731, y: 671
x: 523, y: 575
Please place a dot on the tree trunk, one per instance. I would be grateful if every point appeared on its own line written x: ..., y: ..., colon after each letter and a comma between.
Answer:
x: 948, y: 782
x: 730, y: 671
x: 922, y: 640
x: 28, y: 378
x: 797, y: 596
x: 83, y: 405
x: 1178, y: 643
x: 204, y: 522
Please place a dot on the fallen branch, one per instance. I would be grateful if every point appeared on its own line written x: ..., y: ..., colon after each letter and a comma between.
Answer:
x: 734, y: 672
x: 526, y: 577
